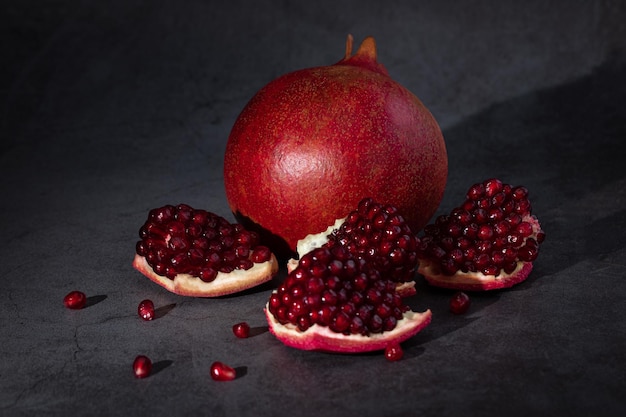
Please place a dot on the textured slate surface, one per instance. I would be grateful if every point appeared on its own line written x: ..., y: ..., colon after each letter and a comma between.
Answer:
x: 111, y: 108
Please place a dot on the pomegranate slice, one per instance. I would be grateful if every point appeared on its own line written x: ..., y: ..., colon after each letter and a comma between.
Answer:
x: 488, y: 242
x: 336, y: 302
x: 377, y: 234
x: 198, y: 253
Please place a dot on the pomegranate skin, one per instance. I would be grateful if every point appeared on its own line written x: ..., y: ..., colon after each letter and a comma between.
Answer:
x: 312, y: 143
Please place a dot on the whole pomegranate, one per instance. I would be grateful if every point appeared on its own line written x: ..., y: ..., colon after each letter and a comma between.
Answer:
x: 312, y: 143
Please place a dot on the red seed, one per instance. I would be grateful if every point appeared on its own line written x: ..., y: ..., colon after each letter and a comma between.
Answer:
x: 75, y: 300
x: 222, y: 372
x: 459, y: 303
x: 394, y: 352
x: 241, y: 330
x: 146, y: 310
x: 142, y: 366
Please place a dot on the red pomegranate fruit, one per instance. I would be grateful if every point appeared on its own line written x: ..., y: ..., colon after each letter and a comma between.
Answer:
x: 335, y: 302
x: 198, y: 253
x: 312, y: 143
x: 489, y: 242
x: 376, y: 233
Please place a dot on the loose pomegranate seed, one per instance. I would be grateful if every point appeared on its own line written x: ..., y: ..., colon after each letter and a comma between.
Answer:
x: 182, y: 240
x: 459, y: 302
x: 241, y: 330
x: 146, y: 310
x: 75, y: 300
x: 394, y: 352
x: 222, y: 372
x: 142, y: 366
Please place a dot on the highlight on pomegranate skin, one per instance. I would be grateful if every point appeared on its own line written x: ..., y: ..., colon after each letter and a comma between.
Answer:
x: 198, y: 253
x: 488, y: 242
x: 335, y: 302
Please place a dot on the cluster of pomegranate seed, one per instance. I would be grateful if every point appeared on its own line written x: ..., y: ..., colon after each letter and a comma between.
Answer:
x: 489, y: 233
x: 75, y: 300
x: 182, y: 240
x: 330, y: 287
x: 378, y: 234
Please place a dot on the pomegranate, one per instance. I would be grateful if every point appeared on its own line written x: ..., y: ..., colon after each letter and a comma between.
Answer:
x: 376, y: 233
x: 142, y: 366
x: 312, y: 143
x: 198, y: 253
x: 489, y: 242
x: 222, y: 372
x: 75, y: 300
x: 334, y: 301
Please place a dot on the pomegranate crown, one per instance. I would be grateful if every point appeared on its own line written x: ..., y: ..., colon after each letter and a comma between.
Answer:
x: 364, y: 57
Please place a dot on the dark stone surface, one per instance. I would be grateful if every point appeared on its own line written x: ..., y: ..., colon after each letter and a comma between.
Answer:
x: 111, y: 108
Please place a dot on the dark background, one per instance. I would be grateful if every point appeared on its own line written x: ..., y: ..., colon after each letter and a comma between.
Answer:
x: 110, y: 108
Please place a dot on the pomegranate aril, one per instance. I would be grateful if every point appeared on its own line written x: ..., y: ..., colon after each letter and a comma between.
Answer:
x: 145, y: 309
x: 222, y: 372
x: 333, y: 293
x: 142, y: 366
x: 241, y: 330
x: 394, y: 352
x: 75, y: 300
x: 459, y: 303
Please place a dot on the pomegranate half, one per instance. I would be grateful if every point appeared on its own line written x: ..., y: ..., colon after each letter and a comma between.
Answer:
x: 312, y: 143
